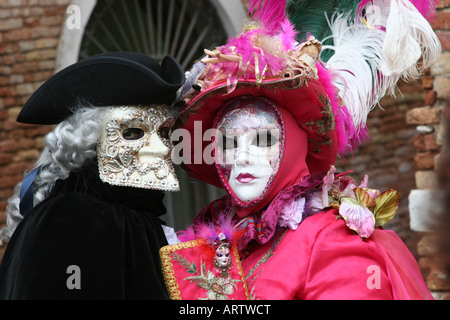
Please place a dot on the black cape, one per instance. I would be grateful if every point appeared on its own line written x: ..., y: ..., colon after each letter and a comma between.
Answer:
x: 110, y: 235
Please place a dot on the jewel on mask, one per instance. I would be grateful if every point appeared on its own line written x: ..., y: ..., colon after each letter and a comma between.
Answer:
x: 134, y: 149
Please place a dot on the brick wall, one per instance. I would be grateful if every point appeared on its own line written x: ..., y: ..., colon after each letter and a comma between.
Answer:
x: 407, y: 137
x: 388, y: 158
x: 29, y: 33
x: 428, y: 203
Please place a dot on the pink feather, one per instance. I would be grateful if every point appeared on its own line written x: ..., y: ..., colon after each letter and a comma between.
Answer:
x: 288, y: 35
x: 269, y: 12
x: 244, y: 45
x: 186, y: 235
x: 255, y: 59
x: 426, y: 8
x: 348, y: 137
x: 207, y: 232
x: 211, y: 231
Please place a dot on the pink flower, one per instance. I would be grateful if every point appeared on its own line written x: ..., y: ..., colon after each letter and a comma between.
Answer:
x: 364, y: 183
x: 292, y: 214
x: 313, y: 202
x: 373, y: 193
x: 357, y: 217
x: 346, y: 186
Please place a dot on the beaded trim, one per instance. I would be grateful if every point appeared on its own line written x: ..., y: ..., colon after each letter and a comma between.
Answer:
x: 167, y: 266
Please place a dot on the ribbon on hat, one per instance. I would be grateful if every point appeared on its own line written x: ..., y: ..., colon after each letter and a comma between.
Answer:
x: 26, y: 192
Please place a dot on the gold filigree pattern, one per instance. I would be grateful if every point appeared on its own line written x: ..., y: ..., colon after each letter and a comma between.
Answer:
x: 143, y: 161
x: 322, y: 126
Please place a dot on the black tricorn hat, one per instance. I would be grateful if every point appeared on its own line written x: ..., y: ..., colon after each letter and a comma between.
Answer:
x: 115, y: 78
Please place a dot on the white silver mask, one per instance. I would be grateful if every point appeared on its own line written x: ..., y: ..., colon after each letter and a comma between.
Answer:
x: 134, y: 149
x: 250, y: 152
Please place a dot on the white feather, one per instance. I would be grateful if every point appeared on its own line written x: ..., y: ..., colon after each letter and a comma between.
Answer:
x: 371, y: 56
x: 409, y: 36
x: 357, y: 56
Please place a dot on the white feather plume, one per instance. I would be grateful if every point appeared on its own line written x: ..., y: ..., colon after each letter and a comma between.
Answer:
x: 356, y: 60
x: 370, y: 55
x: 409, y: 37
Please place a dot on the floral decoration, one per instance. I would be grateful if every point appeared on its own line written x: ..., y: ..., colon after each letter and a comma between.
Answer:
x: 292, y: 214
x: 362, y: 208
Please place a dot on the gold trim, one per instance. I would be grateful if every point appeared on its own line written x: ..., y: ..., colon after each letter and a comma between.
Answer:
x: 167, y: 265
x: 241, y: 272
x: 168, y: 271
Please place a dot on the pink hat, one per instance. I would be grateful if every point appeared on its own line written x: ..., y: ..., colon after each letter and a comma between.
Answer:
x: 328, y: 88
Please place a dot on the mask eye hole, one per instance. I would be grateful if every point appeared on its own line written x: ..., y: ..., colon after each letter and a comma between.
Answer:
x: 132, y: 133
x: 164, y: 133
x: 229, y: 143
x: 264, y: 139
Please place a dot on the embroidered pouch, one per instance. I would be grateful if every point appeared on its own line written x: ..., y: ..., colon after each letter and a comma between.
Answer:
x: 195, y: 270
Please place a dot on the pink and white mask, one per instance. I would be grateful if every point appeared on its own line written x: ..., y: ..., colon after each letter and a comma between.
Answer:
x: 134, y: 149
x: 248, y: 152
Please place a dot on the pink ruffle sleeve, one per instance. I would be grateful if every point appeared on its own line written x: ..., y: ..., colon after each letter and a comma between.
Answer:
x: 402, y: 269
x: 343, y: 266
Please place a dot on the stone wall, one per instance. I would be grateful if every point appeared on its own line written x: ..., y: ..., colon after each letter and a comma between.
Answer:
x: 29, y: 35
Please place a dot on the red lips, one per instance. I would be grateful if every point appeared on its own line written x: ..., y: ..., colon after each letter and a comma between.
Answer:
x: 245, y: 178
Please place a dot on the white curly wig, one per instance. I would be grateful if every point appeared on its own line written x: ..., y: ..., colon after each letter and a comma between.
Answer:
x: 67, y: 148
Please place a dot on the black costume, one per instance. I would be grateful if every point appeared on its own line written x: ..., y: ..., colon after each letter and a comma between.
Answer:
x: 113, y: 234
x: 109, y: 232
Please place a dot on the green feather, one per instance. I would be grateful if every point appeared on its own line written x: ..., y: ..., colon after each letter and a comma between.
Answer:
x: 310, y: 17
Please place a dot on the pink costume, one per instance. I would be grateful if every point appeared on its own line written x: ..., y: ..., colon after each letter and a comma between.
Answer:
x: 290, y: 227
x: 322, y: 259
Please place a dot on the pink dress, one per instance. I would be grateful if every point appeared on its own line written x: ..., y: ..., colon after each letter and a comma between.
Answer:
x: 323, y: 259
